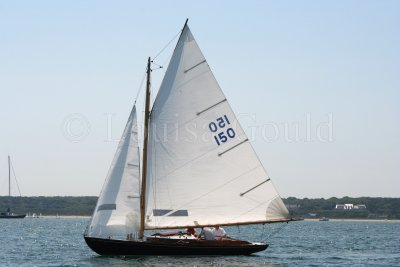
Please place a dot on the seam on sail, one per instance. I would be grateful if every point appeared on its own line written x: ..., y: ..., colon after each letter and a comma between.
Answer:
x: 220, y: 186
x: 183, y: 125
x: 133, y: 165
x: 157, y: 219
x: 216, y: 104
x: 198, y: 64
x: 185, y: 83
x: 254, y: 187
x: 195, y: 117
x: 186, y: 163
x: 256, y: 207
x: 229, y: 149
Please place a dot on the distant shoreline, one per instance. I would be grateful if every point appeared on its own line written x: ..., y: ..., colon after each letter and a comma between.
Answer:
x: 373, y: 209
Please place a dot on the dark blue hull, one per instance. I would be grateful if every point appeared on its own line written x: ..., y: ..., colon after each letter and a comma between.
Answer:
x: 14, y: 216
x: 163, y: 246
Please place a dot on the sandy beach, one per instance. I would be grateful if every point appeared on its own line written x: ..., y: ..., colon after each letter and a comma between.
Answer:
x: 62, y: 217
x: 357, y: 220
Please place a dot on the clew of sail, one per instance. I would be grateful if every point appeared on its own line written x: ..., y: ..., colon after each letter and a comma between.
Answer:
x: 202, y: 169
x: 117, y: 210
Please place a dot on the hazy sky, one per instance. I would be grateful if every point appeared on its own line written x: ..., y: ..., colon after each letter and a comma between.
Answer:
x: 316, y: 85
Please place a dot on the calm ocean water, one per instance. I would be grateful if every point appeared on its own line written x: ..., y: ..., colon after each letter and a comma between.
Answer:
x: 59, y: 242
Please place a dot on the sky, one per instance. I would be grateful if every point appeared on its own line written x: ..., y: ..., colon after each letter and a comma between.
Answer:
x: 315, y: 84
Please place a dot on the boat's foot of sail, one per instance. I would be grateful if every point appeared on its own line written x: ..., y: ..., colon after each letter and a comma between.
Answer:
x: 168, y: 246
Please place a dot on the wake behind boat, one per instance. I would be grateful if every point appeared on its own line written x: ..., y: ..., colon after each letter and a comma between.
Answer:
x: 208, y: 176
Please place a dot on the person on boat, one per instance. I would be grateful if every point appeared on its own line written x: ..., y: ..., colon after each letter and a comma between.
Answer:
x: 218, y: 232
x: 206, y: 233
x: 191, y: 231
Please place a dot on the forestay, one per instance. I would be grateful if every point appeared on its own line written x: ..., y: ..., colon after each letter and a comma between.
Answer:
x: 117, y: 210
x: 202, y: 169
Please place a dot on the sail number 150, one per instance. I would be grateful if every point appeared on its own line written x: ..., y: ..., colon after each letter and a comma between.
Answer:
x: 218, y: 126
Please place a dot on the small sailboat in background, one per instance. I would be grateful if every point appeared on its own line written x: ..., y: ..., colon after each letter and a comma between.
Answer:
x: 198, y: 169
x: 8, y: 214
x: 33, y: 215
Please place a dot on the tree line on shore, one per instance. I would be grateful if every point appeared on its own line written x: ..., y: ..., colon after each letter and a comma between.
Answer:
x: 375, y: 207
x: 319, y: 207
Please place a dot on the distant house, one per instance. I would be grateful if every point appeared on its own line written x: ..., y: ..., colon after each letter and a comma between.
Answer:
x: 360, y: 207
x: 350, y: 207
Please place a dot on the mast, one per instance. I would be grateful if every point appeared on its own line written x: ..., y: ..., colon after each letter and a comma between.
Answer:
x: 9, y: 177
x: 145, y: 141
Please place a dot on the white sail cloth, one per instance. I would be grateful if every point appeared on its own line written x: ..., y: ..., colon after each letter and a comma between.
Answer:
x: 117, y: 212
x: 202, y: 170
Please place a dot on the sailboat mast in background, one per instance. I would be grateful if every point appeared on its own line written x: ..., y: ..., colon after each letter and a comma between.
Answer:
x: 8, y: 214
x: 145, y: 142
x: 9, y: 177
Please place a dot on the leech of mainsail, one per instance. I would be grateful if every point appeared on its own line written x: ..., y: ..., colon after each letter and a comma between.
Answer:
x: 184, y: 170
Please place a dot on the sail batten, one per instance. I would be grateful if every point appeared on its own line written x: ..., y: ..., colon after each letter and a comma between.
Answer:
x: 263, y: 182
x: 229, y: 149
x: 200, y: 159
x: 194, y: 66
x: 198, y: 113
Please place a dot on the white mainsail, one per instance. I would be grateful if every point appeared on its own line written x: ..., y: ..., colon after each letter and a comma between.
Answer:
x: 202, y: 169
x: 117, y: 210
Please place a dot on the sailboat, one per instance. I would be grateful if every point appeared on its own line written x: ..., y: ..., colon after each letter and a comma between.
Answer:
x: 198, y: 169
x: 8, y: 214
